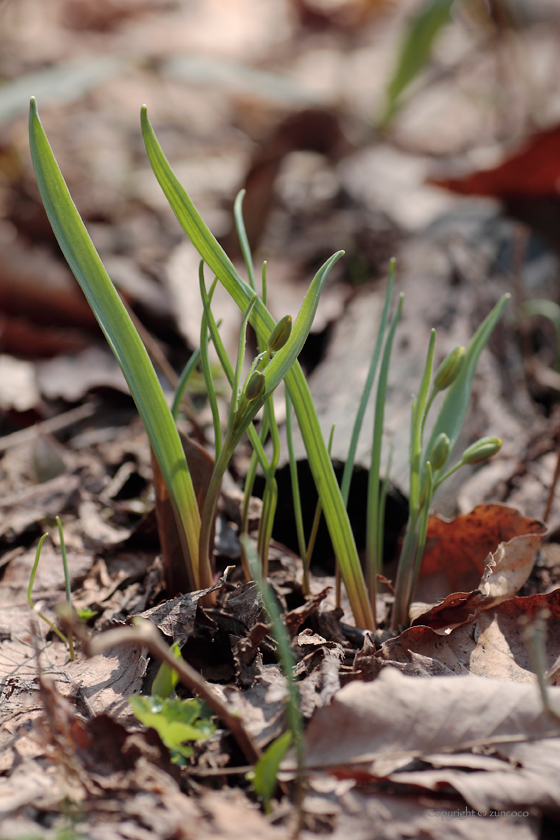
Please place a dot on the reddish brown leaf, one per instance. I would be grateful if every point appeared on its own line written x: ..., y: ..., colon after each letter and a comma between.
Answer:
x: 26, y: 340
x: 490, y: 646
x: 532, y: 171
x: 457, y: 551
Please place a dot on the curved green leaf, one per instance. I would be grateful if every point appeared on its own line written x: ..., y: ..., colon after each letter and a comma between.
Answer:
x: 121, y: 334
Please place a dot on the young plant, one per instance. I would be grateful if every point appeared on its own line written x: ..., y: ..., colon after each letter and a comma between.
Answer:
x: 176, y: 721
x: 428, y: 462
x: 68, y: 640
x: 263, y: 323
x: 142, y: 380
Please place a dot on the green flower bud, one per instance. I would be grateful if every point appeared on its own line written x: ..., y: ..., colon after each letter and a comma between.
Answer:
x: 280, y: 334
x: 448, y: 371
x: 255, y: 386
x: 481, y: 450
x: 440, y: 451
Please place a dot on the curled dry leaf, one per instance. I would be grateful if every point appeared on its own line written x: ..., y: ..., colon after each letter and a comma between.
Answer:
x: 375, y: 730
x: 489, y: 646
x: 483, y: 557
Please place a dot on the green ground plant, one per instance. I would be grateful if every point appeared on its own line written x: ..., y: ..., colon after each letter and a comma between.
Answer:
x: 68, y: 640
x: 176, y: 720
x: 279, y: 345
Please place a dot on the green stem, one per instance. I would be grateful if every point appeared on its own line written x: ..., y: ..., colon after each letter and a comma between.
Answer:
x: 372, y: 561
x: 66, y: 580
x: 183, y: 382
x: 350, y: 458
x: 53, y: 627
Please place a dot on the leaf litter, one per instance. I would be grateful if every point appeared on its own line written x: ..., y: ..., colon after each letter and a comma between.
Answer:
x: 457, y: 755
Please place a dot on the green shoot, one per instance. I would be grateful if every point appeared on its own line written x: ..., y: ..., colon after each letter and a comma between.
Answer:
x: 183, y: 383
x: 67, y: 641
x: 350, y: 459
x: 416, y: 50
x: 296, y: 497
x: 263, y: 322
x: 287, y: 662
x: 373, y: 562
x: 264, y: 775
x: 243, y: 240
x: 428, y: 462
x: 166, y: 679
x: 175, y: 721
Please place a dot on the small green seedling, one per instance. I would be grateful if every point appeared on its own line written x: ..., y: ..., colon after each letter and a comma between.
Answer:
x: 166, y: 679
x: 264, y: 776
x: 67, y: 640
x: 175, y: 720
x: 279, y: 345
x: 415, y: 51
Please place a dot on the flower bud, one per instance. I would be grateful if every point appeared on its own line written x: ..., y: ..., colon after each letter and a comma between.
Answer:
x: 255, y: 386
x: 481, y: 450
x: 439, y: 452
x: 280, y: 334
x: 448, y: 371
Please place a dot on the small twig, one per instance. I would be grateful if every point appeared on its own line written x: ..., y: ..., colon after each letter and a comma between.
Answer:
x: 145, y: 633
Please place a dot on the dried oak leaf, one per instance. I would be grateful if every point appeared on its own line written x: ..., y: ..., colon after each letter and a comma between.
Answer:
x: 376, y: 731
x: 483, y: 557
x: 532, y: 171
x: 489, y: 646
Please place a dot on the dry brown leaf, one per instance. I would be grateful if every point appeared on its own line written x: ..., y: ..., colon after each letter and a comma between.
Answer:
x: 489, y: 646
x: 457, y: 551
x: 390, y: 816
x: 381, y: 726
x: 528, y: 777
x: 492, y: 548
x: 106, y: 681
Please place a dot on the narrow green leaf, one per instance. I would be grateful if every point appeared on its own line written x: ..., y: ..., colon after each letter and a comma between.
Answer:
x: 454, y: 409
x: 416, y: 49
x: 123, y: 339
x: 349, y: 465
x: 373, y: 562
x: 183, y: 382
x: 264, y: 777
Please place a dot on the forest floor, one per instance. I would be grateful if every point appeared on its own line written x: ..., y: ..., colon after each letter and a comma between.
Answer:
x: 281, y: 98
